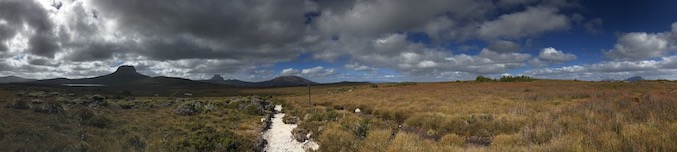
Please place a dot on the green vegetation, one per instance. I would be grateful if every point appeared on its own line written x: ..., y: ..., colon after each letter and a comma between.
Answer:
x: 400, y: 84
x: 95, y: 123
x: 505, y: 79
x: 516, y: 79
x: 483, y: 79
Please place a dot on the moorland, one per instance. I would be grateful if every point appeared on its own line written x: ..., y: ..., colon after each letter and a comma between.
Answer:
x: 185, y: 115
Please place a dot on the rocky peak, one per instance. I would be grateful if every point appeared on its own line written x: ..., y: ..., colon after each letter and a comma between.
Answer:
x: 126, y: 69
x: 216, y: 78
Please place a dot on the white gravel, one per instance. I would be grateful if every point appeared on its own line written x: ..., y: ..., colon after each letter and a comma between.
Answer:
x: 280, y: 139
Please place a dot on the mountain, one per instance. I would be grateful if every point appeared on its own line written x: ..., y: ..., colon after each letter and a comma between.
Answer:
x: 14, y: 79
x: 231, y: 82
x: 634, y: 79
x: 123, y: 75
x: 126, y: 76
x: 216, y: 78
x: 282, y: 81
x: 285, y: 81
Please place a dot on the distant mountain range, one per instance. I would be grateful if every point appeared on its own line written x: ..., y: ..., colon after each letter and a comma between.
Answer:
x: 14, y: 79
x: 126, y: 76
x: 634, y: 79
x: 630, y: 79
x: 282, y: 81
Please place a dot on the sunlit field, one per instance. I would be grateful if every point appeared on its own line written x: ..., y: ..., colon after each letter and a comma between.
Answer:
x: 544, y: 115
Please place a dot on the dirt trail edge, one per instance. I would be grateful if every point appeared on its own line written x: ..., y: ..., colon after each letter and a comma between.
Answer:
x: 280, y: 139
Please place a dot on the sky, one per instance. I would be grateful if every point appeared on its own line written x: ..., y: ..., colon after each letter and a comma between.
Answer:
x: 341, y: 40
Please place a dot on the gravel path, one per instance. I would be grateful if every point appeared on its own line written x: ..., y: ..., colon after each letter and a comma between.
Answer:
x: 280, y: 139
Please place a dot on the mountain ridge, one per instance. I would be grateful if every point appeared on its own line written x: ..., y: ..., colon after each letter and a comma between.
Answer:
x: 14, y: 79
x: 281, y: 81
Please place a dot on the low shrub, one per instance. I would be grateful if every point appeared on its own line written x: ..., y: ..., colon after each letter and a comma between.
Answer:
x: 506, y: 140
x: 88, y: 117
x: 377, y: 141
x: 334, y: 138
x: 20, y: 104
x: 452, y: 140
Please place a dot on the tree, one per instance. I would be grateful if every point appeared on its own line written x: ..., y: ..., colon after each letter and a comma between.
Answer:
x: 483, y: 79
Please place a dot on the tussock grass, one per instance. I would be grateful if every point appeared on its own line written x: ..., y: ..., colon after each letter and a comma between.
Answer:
x: 139, y: 124
x: 541, y: 115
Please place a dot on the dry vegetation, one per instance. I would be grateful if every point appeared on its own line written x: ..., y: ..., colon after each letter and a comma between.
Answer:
x: 541, y: 115
x: 36, y: 120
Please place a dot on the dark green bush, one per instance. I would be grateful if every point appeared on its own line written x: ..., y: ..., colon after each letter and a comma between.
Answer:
x: 483, y: 79
x: 516, y: 79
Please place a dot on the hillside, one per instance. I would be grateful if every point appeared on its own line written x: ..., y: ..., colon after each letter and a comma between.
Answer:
x: 14, y: 79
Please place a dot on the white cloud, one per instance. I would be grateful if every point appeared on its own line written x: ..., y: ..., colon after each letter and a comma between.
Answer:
x: 553, y: 55
x: 359, y: 67
x: 318, y: 71
x: 640, y: 45
x: 538, y: 62
x: 663, y: 68
x: 289, y: 72
x: 313, y: 72
x: 533, y: 21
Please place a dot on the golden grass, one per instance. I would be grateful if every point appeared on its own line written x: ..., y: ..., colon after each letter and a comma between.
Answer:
x: 543, y: 115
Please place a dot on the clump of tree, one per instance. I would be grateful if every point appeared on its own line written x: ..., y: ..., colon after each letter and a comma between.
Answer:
x: 505, y: 79
x: 483, y: 79
x: 516, y: 79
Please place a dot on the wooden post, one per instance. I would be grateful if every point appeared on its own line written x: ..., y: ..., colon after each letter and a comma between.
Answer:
x: 310, y: 105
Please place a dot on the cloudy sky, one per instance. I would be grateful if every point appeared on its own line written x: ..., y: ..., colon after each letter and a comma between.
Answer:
x: 338, y: 40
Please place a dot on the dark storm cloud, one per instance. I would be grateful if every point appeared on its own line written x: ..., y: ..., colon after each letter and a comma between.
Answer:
x: 94, y: 51
x: 215, y: 28
x: 6, y: 32
x: 19, y: 13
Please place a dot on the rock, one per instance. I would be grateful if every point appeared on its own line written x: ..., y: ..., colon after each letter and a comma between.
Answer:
x: 290, y: 120
x: 189, y: 108
x: 18, y: 104
x: 97, y: 101
x: 209, y: 107
x: 301, y: 135
x: 37, y: 101
x: 166, y: 104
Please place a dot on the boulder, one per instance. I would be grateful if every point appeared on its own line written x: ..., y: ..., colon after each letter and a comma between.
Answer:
x: 166, y: 104
x: 36, y: 101
x: 189, y: 108
x: 300, y: 135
